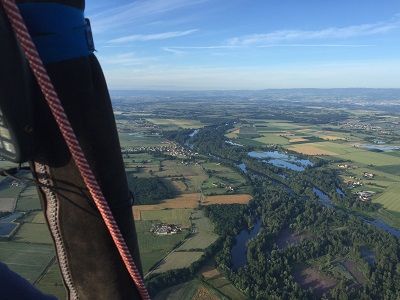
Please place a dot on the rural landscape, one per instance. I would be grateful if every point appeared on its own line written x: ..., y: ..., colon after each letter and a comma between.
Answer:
x: 274, y: 194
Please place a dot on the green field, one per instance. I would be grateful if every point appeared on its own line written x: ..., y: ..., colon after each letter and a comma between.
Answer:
x: 51, y: 282
x: 189, y: 291
x: 153, y: 248
x: 33, y: 233
x: 173, y: 124
x: 204, y: 235
x: 128, y: 140
x: 28, y: 200
x: 269, y: 138
x: 178, y: 260
x: 173, y: 216
x: 27, y: 259
x: 221, y: 178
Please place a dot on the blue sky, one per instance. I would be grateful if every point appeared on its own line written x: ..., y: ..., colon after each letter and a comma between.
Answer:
x: 247, y: 44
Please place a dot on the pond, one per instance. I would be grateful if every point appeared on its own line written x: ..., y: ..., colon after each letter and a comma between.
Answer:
x: 242, y: 167
x: 194, y: 133
x: 239, y: 250
x: 368, y: 255
x: 380, y: 147
x: 281, y: 160
x: 323, y: 198
x: 340, y: 193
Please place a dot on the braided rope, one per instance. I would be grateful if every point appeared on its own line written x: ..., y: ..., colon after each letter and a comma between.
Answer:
x: 63, y: 123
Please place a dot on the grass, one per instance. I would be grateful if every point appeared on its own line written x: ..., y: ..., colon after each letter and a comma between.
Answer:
x: 127, y: 140
x: 51, y: 282
x: 27, y: 259
x: 213, y: 278
x: 185, y: 291
x: 390, y: 199
x: 270, y: 138
x: 33, y: 233
x: 153, y: 248
x: 180, y: 123
x: 178, y: 260
x: 204, y: 235
x: 174, y: 216
x: 28, y: 200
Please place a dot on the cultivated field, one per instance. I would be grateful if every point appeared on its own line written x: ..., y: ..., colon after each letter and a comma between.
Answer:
x: 176, y: 123
x: 179, y: 216
x: 218, y: 281
x: 27, y: 259
x: 33, y: 233
x: 153, y: 248
x: 191, y: 290
x: 227, y: 199
x: 310, y: 149
x: 178, y: 260
x: 204, y: 234
x: 51, y: 282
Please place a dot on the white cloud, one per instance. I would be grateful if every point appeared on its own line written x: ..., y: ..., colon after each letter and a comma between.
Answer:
x: 135, y: 11
x: 126, y: 60
x: 327, y: 33
x: 152, y: 37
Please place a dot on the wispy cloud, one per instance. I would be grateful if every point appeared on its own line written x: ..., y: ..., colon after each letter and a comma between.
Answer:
x: 126, y: 60
x: 327, y: 33
x: 182, y: 49
x: 137, y: 10
x: 152, y: 37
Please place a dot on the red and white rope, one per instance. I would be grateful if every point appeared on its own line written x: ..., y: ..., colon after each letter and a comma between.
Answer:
x: 48, y: 90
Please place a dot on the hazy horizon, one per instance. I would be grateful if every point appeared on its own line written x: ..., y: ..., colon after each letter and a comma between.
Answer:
x: 224, y: 45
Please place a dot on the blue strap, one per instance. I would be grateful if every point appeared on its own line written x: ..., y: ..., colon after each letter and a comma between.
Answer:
x: 60, y: 32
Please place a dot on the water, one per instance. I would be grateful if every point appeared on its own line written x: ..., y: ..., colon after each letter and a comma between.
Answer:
x: 7, y: 224
x: 234, y: 144
x: 282, y: 160
x: 368, y: 255
x: 194, y: 133
x: 239, y: 250
x: 380, y: 147
x: 242, y: 167
x: 323, y: 198
x: 326, y: 201
x: 340, y: 193
x: 382, y: 225
x: 11, y: 218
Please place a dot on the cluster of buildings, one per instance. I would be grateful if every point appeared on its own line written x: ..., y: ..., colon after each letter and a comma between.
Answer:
x: 165, y: 229
x: 169, y: 148
x: 365, y: 196
x: 369, y: 175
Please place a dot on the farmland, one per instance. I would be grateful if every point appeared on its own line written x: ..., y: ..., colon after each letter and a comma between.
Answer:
x: 153, y: 248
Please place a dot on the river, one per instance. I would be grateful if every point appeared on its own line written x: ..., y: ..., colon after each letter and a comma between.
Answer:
x: 239, y: 250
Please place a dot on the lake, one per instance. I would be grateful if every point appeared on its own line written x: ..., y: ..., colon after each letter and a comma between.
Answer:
x: 239, y: 250
x: 281, y: 160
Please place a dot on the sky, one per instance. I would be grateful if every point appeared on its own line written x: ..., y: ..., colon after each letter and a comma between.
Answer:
x: 247, y: 44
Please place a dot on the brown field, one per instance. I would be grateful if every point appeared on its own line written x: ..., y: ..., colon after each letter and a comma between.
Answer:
x: 297, y: 140
x: 309, y: 277
x: 310, y: 150
x: 204, y: 294
x: 182, y: 201
x: 330, y: 137
x: 209, y: 272
x: 227, y: 199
